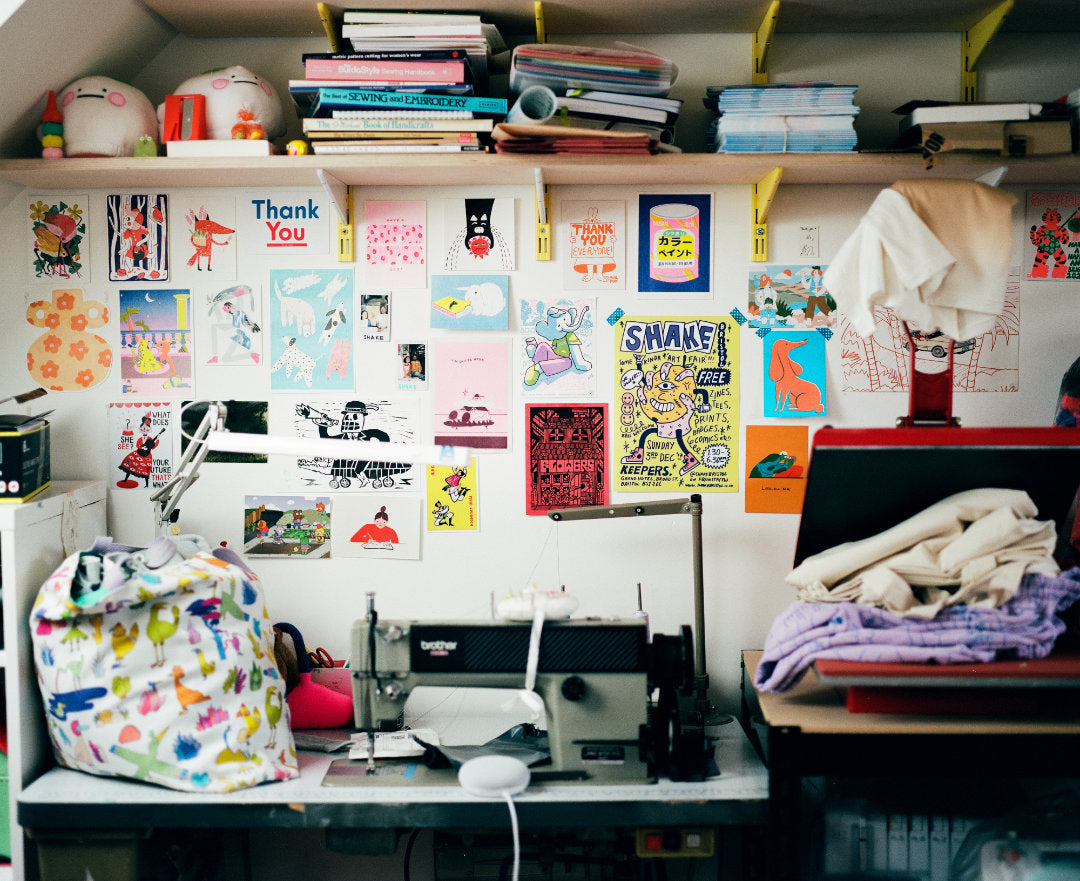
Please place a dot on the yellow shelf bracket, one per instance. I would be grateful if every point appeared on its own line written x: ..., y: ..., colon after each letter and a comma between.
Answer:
x: 762, y: 39
x: 543, y: 217
x: 341, y: 197
x: 538, y: 12
x: 973, y: 42
x: 761, y: 200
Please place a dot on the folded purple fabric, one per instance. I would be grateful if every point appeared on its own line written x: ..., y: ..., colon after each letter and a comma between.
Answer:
x: 1023, y: 627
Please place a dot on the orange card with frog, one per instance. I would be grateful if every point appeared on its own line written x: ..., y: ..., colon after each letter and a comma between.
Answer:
x: 776, y: 459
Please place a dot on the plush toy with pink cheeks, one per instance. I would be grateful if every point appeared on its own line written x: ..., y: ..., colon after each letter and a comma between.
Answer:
x: 239, y: 103
x: 105, y: 117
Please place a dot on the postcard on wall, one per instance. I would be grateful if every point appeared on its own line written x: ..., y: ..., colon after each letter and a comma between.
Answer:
x: 374, y: 322
x: 66, y: 356
x: 282, y: 527
x: 452, y: 501
x: 674, y: 244
x: 472, y: 394
x: 776, y: 460
x: 1052, y: 242
x: 311, y: 321
x: 374, y: 419
x: 232, y: 332
x: 795, y: 373
x: 156, y: 341
x: 789, y: 297
x: 395, y: 244
x: 882, y: 361
x: 677, y: 382
x: 137, y: 232
x: 412, y: 372
x: 480, y: 235
x: 593, y: 240
x: 59, y: 248
x: 556, y: 346
x: 470, y: 302
x: 205, y: 247
x: 386, y: 527
x: 246, y: 417
x: 285, y: 223
x: 566, y: 464
x: 140, y: 444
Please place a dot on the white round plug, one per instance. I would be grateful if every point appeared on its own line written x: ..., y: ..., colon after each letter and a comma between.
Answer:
x: 494, y: 776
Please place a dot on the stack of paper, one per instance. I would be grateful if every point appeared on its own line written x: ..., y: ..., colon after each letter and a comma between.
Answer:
x: 561, y: 67
x: 546, y: 138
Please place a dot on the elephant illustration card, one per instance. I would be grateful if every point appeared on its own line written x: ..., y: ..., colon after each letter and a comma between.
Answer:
x: 556, y: 346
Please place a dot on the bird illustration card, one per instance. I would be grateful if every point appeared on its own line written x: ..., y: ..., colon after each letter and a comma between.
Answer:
x: 137, y: 234
x: 789, y: 297
x: 157, y: 343
x: 58, y: 229
x: 452, y: 501
x: 593, y: 240
x: 470, y: 302
x: 204, y: 246
x: 412, y: 366
x: 1052, y: 240
x: 395, y: 244
x: 674, y: 235
x: 556, y: 344
x: 566, y: 463
x: 140, y: 444
x: 311, y: 329
x: 776, y: 460
x: 374, y: 322
x: 479, y: 235
x: 386, y: 527
x: 230, y: 326
x: 472, y: 393
x: 794, y: 383
x: 288, y: 527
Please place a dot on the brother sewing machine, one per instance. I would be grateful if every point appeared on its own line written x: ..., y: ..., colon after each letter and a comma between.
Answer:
x: 595, y: 678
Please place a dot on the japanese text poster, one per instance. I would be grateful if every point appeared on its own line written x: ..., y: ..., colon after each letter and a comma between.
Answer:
x: 567, y: 457
x: 674, y: 244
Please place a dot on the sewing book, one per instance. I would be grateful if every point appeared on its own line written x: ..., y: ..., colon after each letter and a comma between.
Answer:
x: 329, y: 99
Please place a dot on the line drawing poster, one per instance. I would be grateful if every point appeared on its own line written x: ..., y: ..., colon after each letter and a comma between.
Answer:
x: 311, y: 321
x: 453, y: 503
x: 207, y: 246
x: 677, y: 382
x: 470, y: 302
x: 556, y: 349
x: 66, y: 355
x: 377, y: 526
x: 795, y: 374
x: 594, y: 242
x: 794, y: 297
x: 395, y: 244
x: 776, y: 460
x: 138, y: 237
x: 471, y: 394
x: 567, y: 456
x: 58, y: 233
x: 674, y: 243
x: 140, y: 444
x: 1052, y: 241
x: 156, y: 341
x: 480, y: 234
x: 233, y: 324
x: 288, y: 526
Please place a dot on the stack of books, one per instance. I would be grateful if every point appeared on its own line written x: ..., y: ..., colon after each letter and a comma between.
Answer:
x: 410, y: 82
x: 816, y: 117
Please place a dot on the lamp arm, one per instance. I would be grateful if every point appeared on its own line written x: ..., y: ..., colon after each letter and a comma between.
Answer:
x: 187, y: 470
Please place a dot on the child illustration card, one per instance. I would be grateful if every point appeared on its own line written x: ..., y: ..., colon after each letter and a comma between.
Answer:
x: 480, y: 235
x: 452, y: 501
x: 311, y: 329
x: 156, y: 341
x: 412, y: 361
x: 372, y: 419
x: 232, y: 332
x: 137, y: 233
x: 791, y: 297
x: 676, y: 379
x: 386, y: 527
x: 556, y: 346
x: 674, y: 236
x: 472, y: 394
x: 284, y: 223
x: 470, y: 302
x: 1052, y: 242
x: 281, y: 527
x: 374, y: 323
x: 567, y: 456
x: 776, y: 460
x: 395, y: 244
x: 206, y: 247
x: 795, y: 374
x: 140, y: 444
x: 67, y: 355
x: 593, y: 238
x: 58, y: 238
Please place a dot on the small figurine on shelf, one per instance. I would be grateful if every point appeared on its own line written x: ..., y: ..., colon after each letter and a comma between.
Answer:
x: 51, y: 130
x: 247, y: 128
x: 105, y: 117
x: 235, y: 97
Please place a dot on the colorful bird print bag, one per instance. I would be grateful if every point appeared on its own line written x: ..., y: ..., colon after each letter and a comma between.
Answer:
x: 158, y: 664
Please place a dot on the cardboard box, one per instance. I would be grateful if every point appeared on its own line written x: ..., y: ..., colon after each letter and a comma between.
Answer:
x: 25, y: 467
x: 1032, y: 137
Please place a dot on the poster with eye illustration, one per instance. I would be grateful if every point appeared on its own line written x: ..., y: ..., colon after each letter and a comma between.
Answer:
x: 140, y: 444
x: 288, y: 527
x: 566, y: 461
x: 386, y: 527
x: 395, y: 244
x: 137, y: 233
x: 58, y: 230
x: 677, y: 382
x: 452, y: 501
x: 594, y: 245
x: 555, y: 346
x: 157, y: 342
x: 480, y: 235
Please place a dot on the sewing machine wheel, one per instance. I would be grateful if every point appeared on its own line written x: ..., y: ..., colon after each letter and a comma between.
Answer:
x: 671, y: 748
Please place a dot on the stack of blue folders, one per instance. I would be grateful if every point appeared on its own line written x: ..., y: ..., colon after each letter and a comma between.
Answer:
x: 782, y: 118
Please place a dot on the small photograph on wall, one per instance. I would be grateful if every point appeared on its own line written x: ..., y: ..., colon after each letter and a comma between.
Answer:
x: 1052, y: 241
x: 480, y: 235
x: 280, y: 527
x: 374, y: 323
x: 385, y: 527
x: 412, y: 366
x: 233, y: 332
x: 207, y: 246
x: 566, y: 461
x: 674, y: 236
x: 795, y: 374
x: 453, y: 503
x: 140, y: 445
x: 156, y: 341
x: 593, y: 241
x: 470, y: 302
x: 57, y: 228
x: 137, y: 234
x: 789, y: 297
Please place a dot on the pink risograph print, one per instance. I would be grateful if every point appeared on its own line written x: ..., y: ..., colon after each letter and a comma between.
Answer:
x: 395, y: 244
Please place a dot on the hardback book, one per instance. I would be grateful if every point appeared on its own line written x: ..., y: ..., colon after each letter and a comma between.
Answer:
x: 323, y: 147
x: 671, y: 105
x: 920, y: 113
x: 613, y: 110
x: 334, y: 126
x: 382, y: 16
x: 344, y: 98
x: 374, y: 70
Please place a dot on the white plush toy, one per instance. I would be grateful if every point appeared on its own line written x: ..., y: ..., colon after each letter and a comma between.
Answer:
x: 105, y: 117
x: 239, y: 104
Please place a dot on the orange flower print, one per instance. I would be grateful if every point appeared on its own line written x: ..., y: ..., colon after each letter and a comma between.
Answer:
x: 78, y: 350
x: 50, y: 369
x: 78, y: 322
x: 52, y: 320
x: 85, y: 378
x: 65, y: 302
x: 51, y: 343
x: 105, y: 357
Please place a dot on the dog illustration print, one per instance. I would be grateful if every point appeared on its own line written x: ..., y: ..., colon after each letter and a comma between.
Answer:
x: 792, y: 392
